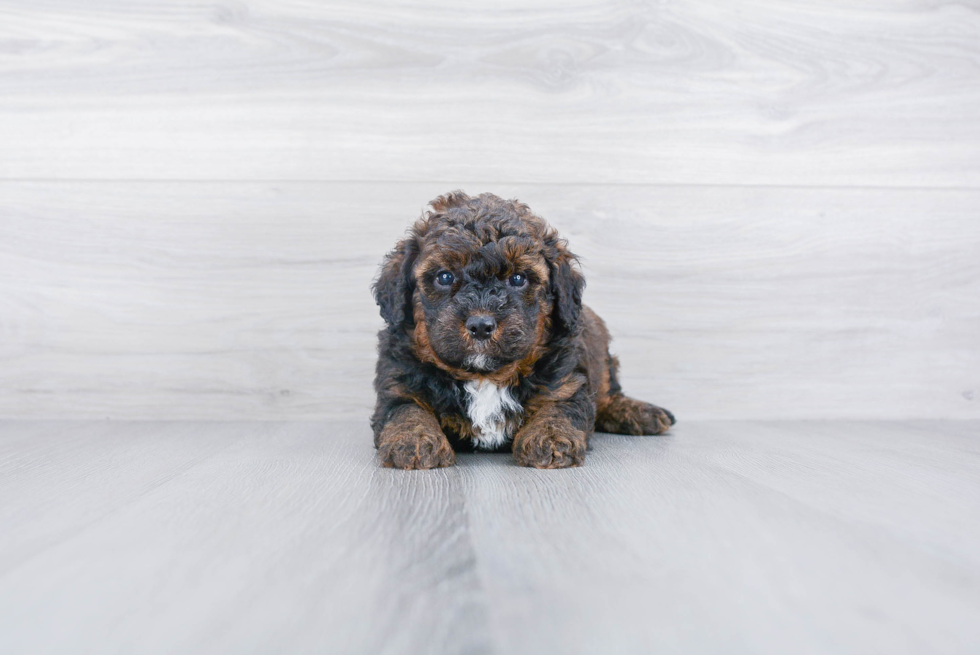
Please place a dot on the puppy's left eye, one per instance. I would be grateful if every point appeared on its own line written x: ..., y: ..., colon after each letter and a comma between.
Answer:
x: 445, y: 278
x: 518, y: 280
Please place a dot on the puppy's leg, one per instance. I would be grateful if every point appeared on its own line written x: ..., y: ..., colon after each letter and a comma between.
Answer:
x: 557, y: 434
x: 620, y: 414
x: 412, y: 439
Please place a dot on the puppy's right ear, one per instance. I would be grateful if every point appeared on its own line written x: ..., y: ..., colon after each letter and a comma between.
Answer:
x: 395, y: 284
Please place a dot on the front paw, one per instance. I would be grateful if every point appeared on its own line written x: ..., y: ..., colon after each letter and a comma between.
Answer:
x: 414, y: 441
x: 549, y: 445
x: 416, y: 451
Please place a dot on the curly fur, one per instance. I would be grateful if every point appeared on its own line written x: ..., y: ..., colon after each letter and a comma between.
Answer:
x: 544, y: 378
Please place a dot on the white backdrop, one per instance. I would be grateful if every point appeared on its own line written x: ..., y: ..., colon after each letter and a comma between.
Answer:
x: 776, y: 203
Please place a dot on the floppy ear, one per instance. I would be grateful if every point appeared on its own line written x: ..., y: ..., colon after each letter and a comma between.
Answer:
x: 566, y: 286
x: 395, y: 284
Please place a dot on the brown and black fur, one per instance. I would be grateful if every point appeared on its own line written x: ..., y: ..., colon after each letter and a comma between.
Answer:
x: 550, y: 350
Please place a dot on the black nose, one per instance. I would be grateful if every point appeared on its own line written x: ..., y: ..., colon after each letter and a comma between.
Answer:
x: 481, y: 327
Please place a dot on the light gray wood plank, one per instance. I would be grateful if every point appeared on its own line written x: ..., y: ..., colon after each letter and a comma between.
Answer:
x: 655, y: 547
x: 902, y: 480
x: 75, y: 475
x: 772, y: 537
x: 242, y: 300
x: 764, y: 92
x: 285, y: 540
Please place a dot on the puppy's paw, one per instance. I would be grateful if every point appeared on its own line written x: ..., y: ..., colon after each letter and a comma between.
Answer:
x: 549, y: 445
x: 416, y: 452
x: 655, y: 420
x: 624, y: 415
x: 414, y: 440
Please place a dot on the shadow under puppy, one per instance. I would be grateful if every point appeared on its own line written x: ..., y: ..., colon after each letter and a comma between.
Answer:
x: 488, y: 346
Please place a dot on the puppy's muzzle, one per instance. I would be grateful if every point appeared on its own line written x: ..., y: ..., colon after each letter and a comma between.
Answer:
x: 481, y: 326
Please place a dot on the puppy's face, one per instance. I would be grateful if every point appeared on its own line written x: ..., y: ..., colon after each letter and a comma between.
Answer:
x: 482, y: 293
x: 482, y: 283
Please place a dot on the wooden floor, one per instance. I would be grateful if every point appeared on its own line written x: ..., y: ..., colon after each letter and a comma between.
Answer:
x: 734, y: 537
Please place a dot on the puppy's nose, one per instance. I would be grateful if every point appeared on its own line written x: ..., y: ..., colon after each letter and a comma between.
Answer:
x: 481, y: 326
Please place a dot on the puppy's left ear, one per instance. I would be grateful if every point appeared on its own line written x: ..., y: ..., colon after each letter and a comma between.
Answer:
x: 566, y: 285
x: 395, y: 284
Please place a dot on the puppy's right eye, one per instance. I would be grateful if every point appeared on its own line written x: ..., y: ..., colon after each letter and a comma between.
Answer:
x: 445, y: 279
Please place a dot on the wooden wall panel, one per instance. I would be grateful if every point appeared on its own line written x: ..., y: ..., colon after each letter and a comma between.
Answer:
x: 754, y: 92
x: 251, y: 300
x: 775, y: 201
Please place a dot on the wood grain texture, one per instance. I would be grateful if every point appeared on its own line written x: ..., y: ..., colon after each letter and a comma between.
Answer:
x: 775, y: 204
x: 750, y: 92
x: 257, y: 537
x: 247, y: 300
x: 772, y: 537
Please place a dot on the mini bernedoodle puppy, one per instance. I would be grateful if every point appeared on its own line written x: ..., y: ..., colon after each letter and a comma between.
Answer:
x: 488, y: 345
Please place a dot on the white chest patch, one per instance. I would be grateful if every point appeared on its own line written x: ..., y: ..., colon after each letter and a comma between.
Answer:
x: 487, y: 406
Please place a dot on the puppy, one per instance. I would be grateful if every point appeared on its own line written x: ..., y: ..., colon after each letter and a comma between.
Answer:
x: 487, y: 344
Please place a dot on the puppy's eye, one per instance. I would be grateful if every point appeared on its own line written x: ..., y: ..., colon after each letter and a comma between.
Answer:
x: 445, y: 279
x: 518, y: 280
